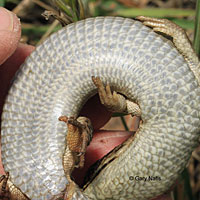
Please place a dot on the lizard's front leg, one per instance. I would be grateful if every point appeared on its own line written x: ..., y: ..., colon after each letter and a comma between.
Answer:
x: 114, y: 101
x: 78, y: 137
x: 8, y: 191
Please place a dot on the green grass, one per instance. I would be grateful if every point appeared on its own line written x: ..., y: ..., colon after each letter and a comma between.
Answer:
x: 155, y: 12
x: 196, y: 43
x: 2, y: 3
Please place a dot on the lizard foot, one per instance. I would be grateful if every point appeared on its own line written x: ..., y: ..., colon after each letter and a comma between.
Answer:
x: 78, y: 137
x: 79, y: 134
x: 8, y: 191
x: 113, y: 101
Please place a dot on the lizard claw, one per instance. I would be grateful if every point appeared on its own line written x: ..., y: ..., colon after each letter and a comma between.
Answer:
x: 114, y: 101
x: 162, y: 25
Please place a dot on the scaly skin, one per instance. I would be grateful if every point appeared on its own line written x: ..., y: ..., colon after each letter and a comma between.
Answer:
x: 134, y: 61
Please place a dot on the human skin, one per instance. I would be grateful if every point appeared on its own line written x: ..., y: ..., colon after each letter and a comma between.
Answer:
x: 12, y: 55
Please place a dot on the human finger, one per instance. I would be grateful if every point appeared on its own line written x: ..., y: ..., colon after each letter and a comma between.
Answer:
x: 10, y: 32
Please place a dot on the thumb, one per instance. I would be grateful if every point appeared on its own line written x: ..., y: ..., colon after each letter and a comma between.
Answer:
x: 10, y: 32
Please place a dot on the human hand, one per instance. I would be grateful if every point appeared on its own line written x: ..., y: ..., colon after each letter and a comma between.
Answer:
x: 13, y: 54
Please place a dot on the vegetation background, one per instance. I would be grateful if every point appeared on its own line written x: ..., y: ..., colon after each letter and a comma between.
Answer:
x: 39, y: 20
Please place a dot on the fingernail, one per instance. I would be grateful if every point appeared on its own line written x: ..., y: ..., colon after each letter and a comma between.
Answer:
x: 7, y: 22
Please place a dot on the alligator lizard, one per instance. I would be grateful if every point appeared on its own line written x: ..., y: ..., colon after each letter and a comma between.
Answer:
x: 56, y: 80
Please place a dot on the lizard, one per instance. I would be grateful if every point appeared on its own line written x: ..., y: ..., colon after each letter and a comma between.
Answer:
x: 151, y: 77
